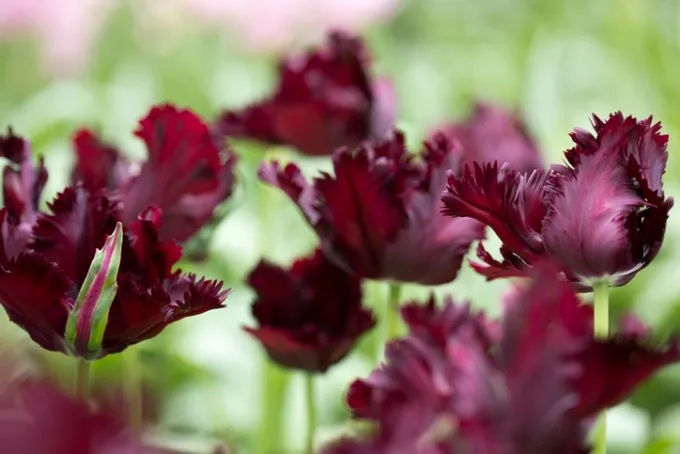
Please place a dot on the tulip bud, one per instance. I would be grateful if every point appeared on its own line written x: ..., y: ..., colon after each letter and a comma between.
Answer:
x: 88, y: 318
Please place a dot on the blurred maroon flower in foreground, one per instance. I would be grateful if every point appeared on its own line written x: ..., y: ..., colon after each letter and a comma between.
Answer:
x: 186, y: 174
x: 42, y: 272
x: 601, y: 217
x: 325, y: 99
x: 457, y: 382
x: 36, y: 418
x: 309, y: 316
x: 492, y: 134
x: 378, y: 217
x: 22, y: 182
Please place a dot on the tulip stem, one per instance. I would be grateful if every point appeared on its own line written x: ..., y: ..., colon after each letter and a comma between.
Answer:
x: 81, y: 383
x: 274, y: 385
x: 311, y: 413
x: 392, y: 312
x: 132, y: 388
x: 601, y: 331
x: 275, y: 380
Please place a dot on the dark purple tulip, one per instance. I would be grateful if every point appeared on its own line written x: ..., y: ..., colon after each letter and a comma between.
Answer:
x: 22, y: 182
x: 492, y: 133
x: 309, y: 316
x: 38, y: 419
x: 186, y: 174
x: 530, y: 385
x: 41, y: 272
x: 325, y: 99
x: 601, y: 216
x: 378, y: 215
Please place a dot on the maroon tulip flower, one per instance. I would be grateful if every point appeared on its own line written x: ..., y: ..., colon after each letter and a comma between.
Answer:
x: 38, y: 419
x: 22, y: 182
x: 325, y: 99
x: 41, y: 273
x: 492, y: 134
x: 378, y: 216
x: 186, y: 174
x: 532, y: 385
x: 309, y: 316
x: 602, y: 216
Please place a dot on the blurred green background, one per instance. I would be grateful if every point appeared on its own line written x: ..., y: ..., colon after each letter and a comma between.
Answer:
x: 556, y: 61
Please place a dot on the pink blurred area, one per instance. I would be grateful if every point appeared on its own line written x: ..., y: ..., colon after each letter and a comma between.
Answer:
x: 274, y: 25
x: 66, y: 30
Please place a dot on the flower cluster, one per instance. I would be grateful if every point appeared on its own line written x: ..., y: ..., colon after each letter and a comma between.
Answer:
x: 94, y: 272
x: 528, y: 383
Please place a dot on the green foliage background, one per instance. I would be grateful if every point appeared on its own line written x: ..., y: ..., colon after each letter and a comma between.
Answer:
x: 556, y: 61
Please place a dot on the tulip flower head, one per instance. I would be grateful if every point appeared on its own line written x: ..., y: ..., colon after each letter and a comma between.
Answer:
x: 325, y: 99
x: 46, y: 264
x: 602, y: 216
x: 378, y: 215
x: 309, y: 316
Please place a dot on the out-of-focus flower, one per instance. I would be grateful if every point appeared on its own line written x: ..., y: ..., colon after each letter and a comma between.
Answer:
x: 602, y: 217
x: 325, y: 99
x: 44, y: 264
x: 36, y: 418
x: 186, y: 174
x: 493, y: 134
x: 457, y: 383
x: 22, y: 182
x: 309, y: 316
x: 378, y: 216
x: 66, y: 29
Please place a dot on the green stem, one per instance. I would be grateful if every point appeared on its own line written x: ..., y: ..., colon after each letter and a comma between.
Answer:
x: 392, y: 312
x: 274, y: 379
x: 601, y: 331
x: 132, y: 388
x: 274, y: 385
x: 311, y: 413
x: 81, y: 383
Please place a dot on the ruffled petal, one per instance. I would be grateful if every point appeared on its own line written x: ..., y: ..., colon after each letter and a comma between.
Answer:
x: 98, y: 165
x: 512, y: 204
x: 186, y: 174
x: 78, y: 225
x: 37, y: 296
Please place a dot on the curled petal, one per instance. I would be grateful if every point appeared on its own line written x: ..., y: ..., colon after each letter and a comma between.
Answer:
x: 185, y: 169
x: 35, y: 295
x: 511, y: 266
x: 502, y: 198
x: 360, y: 214
x: 98, y: 165
x: 155, y: 258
